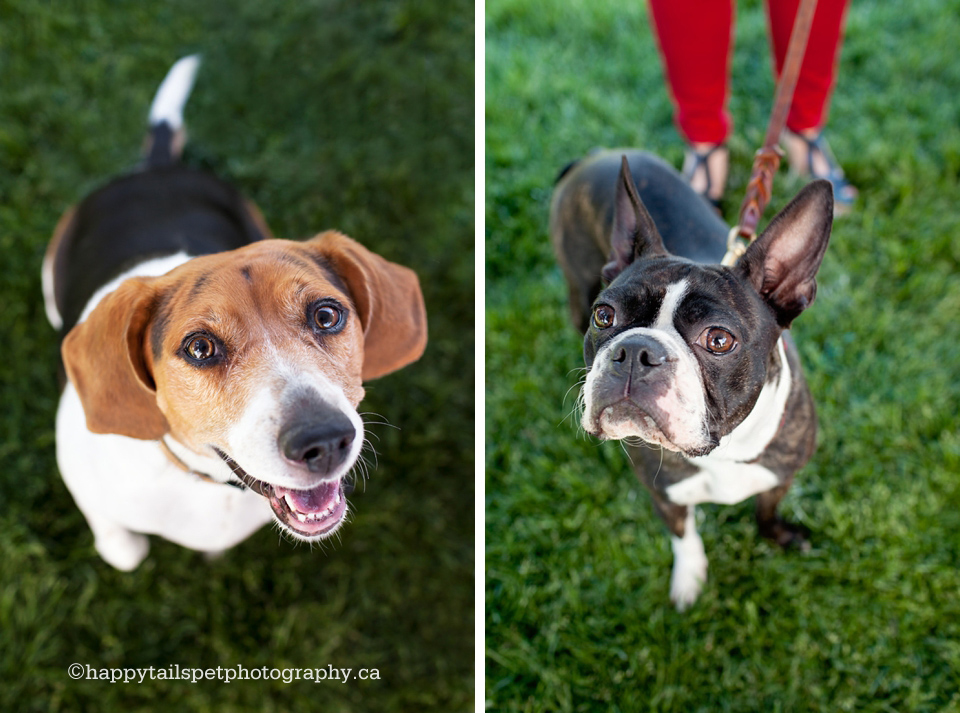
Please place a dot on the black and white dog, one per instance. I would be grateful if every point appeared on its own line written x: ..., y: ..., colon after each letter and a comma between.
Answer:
x: 684, y: 354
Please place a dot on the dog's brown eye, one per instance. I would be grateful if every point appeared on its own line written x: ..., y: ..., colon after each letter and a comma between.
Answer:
x: 327, y: 317
x: 604, y: 317
x: 201, y: 348
x: 717, y: 341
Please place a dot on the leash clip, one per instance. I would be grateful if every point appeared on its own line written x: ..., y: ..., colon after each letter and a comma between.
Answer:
x: 738, y: 240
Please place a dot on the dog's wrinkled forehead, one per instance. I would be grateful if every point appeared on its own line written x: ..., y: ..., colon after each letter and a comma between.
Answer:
x: 642, y: 287
x: 710, y: 294
x: 639, y: 291
x: 258, y: 285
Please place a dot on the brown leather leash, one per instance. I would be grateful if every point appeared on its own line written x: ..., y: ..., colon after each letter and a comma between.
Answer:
x: 767, y: 160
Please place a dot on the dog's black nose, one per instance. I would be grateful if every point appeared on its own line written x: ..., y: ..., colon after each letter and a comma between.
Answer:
x: 320, y: 446
x: 639, y: 352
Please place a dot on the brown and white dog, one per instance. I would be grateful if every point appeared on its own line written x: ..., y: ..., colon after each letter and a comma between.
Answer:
x: 203, y: 354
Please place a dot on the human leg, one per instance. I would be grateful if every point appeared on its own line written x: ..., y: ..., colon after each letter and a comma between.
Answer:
x: 807, y: 150
x: 695, y: 43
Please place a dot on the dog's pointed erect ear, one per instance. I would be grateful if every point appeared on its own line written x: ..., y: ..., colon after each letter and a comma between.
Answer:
x: 106, y: 360
x: 633, y: 235
x: 782, y: 263
x: 388, y: 299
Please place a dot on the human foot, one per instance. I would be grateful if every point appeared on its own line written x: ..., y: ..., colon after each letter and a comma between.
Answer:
x: 705, y: 168
x: 811, y: 157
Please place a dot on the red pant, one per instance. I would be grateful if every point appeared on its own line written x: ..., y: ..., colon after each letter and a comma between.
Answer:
x: 695, y: 43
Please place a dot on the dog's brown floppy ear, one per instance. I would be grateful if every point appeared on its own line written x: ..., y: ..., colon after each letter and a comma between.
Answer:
x: 782, y: 263
x: 106, y: 361
x: 634, y: 234
x: 388, y: 299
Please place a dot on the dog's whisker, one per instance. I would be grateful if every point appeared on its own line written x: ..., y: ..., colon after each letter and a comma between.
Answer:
x: 579, y: 404
x: 382, y: 422
x: 368, y: 447
x: 572, y: 387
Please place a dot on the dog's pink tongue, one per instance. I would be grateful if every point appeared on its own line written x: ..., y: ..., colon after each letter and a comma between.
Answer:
x: 316, y: 499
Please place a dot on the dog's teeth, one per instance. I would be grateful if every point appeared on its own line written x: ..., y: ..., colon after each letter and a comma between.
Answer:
x: 311, y: 516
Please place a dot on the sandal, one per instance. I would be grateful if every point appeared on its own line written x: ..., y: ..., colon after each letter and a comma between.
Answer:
x: 693, y: 161
x: 844, y: 192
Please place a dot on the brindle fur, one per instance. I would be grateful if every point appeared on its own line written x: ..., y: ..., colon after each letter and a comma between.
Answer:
x: 581, y: 218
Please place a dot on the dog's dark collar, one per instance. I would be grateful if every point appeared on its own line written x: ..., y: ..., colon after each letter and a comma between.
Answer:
x: 246, y: 480
x: 177, y: 461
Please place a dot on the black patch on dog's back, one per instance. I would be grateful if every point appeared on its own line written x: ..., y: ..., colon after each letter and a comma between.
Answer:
x: 151, y: 214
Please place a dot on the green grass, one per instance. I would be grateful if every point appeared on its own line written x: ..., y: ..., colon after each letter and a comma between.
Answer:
x: 329, y: 114
x: 577, y: 607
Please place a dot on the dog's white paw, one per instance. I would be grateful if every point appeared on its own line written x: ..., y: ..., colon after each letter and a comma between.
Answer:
x: 122, y: 549
x: 687, y: 581
x: 689, y: 565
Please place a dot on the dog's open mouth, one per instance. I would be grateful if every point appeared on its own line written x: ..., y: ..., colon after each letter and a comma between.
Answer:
x: 309, y: 514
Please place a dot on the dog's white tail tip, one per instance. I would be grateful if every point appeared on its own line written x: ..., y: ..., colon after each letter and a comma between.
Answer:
x: 173, y: 93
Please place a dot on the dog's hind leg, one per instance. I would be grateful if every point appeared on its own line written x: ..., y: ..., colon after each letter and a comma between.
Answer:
x: 773, y: 527
x: 117, y: 545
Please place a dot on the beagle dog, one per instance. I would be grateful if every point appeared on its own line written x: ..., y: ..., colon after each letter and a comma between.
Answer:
x: 213, y: 373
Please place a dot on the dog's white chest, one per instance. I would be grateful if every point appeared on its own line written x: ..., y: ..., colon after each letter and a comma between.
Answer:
x: 131, y: 483
x: 727, y: 475
x: 722, y: 481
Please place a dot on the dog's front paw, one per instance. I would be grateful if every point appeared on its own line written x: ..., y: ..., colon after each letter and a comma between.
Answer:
x: 122, y: 549
x: 688, y: 578
x: 789, y: 535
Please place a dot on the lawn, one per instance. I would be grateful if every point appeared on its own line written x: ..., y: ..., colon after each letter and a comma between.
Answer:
x: 578, y: 616
x: 328, y: 114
